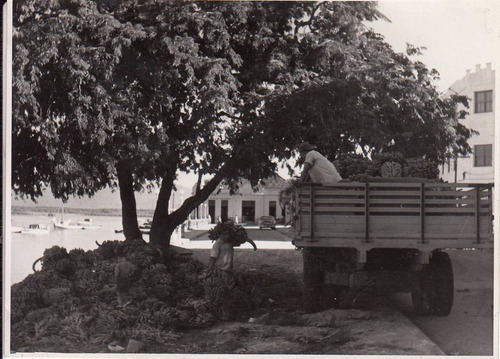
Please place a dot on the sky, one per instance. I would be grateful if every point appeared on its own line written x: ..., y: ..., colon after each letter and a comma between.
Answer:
x: 457, y: 35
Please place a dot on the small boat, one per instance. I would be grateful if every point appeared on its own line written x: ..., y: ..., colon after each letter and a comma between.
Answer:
x: 14, y: 229
x: 146, y: 224
x: 86, y: 223
x: 36, y: 229
x: 67, y: 224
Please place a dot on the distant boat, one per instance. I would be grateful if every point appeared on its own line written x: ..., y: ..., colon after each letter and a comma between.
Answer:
x: 146, y: 224
x: 14, y: 229
x: 67, y: 224
x: 36, y: 229
x: 86, y: 223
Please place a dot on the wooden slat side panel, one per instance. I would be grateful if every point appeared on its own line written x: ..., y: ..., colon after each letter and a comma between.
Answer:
x: 394, y: 210
x: 404, y: 201
x: 396, y: 193
x: 404, y: 226
x: 454, y: 210
x: 376, y: 185
x: 336, y: 201
x: 456, y: 227
x: 451, y: 201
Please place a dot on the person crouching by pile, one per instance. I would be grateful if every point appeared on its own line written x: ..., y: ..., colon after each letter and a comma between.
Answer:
x: 220, y: 283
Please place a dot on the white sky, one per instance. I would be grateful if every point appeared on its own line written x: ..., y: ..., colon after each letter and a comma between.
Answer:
x: 457, y: 35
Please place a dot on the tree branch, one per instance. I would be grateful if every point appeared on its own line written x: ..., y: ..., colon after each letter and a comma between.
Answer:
x: 201, y: 195
x: 308, y: 22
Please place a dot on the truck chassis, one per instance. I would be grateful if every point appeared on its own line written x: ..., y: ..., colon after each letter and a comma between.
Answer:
x: 388, y: 235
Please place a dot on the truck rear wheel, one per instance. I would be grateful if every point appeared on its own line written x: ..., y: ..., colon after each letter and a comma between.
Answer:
x: 313, y: 279
x: 442, y: 270
x: 434, y: 289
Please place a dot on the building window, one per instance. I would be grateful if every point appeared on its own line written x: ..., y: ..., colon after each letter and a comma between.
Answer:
x: 483, y: 155
x: 248, y: 211
x: 211, y: 210
x: 483, y: 101
x: 272, y: 208
x: 224, y: 210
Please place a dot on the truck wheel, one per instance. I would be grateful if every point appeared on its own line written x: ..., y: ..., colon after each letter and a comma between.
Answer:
x: 434, y: 289
x: 421, y: 292
x: 313, y: 279
x: 442, y: 283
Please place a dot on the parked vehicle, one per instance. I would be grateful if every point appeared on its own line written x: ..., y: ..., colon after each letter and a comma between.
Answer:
x: 388, y: 235
x: 267, y: 222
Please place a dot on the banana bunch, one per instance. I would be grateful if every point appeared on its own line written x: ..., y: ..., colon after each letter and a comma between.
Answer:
x: 421, y: 168
x: 236, y: 234
x: 391, y: 169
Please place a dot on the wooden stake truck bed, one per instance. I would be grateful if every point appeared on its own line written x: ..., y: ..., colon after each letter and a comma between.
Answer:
x: 344, y: 228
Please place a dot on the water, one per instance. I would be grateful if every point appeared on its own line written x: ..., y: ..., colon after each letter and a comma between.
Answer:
x: 26, y: 248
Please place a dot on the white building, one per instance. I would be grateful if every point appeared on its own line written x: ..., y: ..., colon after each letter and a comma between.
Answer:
x: 479, y: 87
x: 247, y: 206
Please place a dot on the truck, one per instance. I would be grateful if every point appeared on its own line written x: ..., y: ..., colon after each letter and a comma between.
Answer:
x: 388, y: 235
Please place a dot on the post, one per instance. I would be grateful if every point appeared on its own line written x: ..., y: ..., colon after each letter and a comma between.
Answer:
x: 422, y: 212
x: 455, y: 167
x: 478, y: 214
x: 311, y: 211
x: 367, y: 212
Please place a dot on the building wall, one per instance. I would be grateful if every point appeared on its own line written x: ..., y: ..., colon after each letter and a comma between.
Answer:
x: 482, y: 79
x: 261, y: 199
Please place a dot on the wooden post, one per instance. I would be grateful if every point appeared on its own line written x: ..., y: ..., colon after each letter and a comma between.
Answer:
x: 478, y: 214
x: 422, y: 212
x: 367, y: 212
x: 296, y: 217
x: 311, y: 211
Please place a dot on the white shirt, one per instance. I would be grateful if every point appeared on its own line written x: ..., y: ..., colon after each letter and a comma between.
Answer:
x: 322, y: 170
x: 224, y: 253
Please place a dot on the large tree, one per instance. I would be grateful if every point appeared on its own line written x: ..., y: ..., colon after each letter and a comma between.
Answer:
x: 222, y: 89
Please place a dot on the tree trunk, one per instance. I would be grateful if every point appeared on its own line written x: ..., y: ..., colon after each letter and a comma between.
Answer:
x: 164, y: 223
x: 161, y: 229
x: 129, y: 208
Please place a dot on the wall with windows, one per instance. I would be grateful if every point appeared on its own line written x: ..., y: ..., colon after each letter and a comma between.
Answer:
x: 247, y: 206
x: 479, y: 87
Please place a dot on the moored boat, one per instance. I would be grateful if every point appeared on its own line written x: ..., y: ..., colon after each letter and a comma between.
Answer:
x: 67, y: 224
x: 86, y: 223
x: 14, y: 229
x: 36, y: 228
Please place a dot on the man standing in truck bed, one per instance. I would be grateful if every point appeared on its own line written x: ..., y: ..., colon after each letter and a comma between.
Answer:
x: 316, y: 166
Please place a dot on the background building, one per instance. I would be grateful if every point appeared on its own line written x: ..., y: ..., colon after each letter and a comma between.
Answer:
x: 247, y: 206
x: 479, y: 87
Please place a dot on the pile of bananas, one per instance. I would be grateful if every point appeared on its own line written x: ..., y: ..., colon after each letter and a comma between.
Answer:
x: 388, y: 164
x: 355, y: 167
x: 421, y: 168
x: 71, y: 302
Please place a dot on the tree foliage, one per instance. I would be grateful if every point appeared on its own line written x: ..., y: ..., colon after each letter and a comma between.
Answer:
x: 130, y: 93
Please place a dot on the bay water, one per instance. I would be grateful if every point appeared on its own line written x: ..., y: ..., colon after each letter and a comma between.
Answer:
x: 27, y: 248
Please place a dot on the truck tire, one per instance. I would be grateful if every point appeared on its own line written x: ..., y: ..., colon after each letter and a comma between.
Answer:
x: 421, y: 292
x: 434, y: 289
x: 442, y: 283
x: 313, y: 279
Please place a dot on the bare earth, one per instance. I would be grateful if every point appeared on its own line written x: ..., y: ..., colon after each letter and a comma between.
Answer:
x: 282, y: 328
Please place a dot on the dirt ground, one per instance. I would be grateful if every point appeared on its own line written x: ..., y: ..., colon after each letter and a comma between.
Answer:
x: 276, y: 325
x: 281, y: 326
